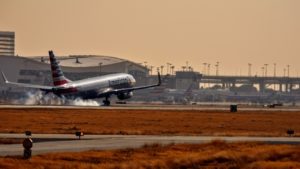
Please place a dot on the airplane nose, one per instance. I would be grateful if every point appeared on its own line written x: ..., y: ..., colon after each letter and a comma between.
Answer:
x: 132, y: 81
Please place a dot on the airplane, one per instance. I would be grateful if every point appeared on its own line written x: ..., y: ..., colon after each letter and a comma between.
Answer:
x: 119, y: 84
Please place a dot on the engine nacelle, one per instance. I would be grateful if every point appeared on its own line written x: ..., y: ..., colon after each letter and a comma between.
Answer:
x: 123, y: 96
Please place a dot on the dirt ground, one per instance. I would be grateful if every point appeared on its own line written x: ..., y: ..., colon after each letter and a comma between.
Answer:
x: 216, y: 154
x: 165, y: 122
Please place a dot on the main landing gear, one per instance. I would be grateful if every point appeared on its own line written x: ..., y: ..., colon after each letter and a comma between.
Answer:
x: 106, y: 102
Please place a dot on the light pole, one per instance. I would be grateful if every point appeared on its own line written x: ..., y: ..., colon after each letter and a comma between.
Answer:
x: 288, y: 70
x: 151, y: 67
x: 204, y: 68
x: 217, y: 68
x: 168, y: 67
x: 162, y: 69
x: 262, y: 71
x: 266, y: 74
x: 274, y: 75
x: 274, y: 69
x: 249, y: 69
x: 172, y: 69
x: 208, y: 70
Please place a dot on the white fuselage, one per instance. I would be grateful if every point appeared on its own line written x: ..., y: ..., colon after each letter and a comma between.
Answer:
x: 94, y: 87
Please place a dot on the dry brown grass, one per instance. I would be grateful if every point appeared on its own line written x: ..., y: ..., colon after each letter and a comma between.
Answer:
x: 216, y: 154
x: 166, y: 122
x: 10, y: 141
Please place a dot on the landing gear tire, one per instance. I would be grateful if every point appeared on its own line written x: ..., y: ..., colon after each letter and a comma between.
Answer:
x: 106, y: 102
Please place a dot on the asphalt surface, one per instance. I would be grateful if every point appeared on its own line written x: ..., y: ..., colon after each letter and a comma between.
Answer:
x: 48, y: 143
x: 220, y: 107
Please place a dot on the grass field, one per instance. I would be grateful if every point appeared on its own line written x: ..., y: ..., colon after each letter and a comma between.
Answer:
x: 216, y: 154
x: 10, y: 141
x: 166, y: 122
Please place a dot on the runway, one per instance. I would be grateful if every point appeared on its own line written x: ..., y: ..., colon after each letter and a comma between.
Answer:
x: 48, y: 143
x: 218, y: 107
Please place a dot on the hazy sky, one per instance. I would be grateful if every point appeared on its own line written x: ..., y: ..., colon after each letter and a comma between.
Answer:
x: 233, y: 32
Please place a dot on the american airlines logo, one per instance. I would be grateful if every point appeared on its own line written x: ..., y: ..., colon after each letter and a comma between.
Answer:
x: 118, y: 81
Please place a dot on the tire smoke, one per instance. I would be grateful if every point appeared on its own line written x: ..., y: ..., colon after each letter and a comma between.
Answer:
x: 40, y: 98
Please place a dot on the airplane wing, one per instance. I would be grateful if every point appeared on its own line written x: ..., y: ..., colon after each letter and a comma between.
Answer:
x: 44, y: 88
x: 116, y: 91
x: 111, y: 91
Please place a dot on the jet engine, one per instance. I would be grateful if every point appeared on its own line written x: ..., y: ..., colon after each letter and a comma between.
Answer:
x: 123, y: 96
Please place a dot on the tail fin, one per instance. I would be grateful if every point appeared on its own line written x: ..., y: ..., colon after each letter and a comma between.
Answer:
x: 57, y: 74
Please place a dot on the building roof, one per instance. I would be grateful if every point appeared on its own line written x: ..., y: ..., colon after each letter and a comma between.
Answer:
x: 82, y: 60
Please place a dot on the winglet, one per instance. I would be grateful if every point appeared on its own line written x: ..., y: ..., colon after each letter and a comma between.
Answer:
x: 4, y: 77
x: 159, y: 79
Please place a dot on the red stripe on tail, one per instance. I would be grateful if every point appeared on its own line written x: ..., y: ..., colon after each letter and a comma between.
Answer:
x: 57, y: 74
